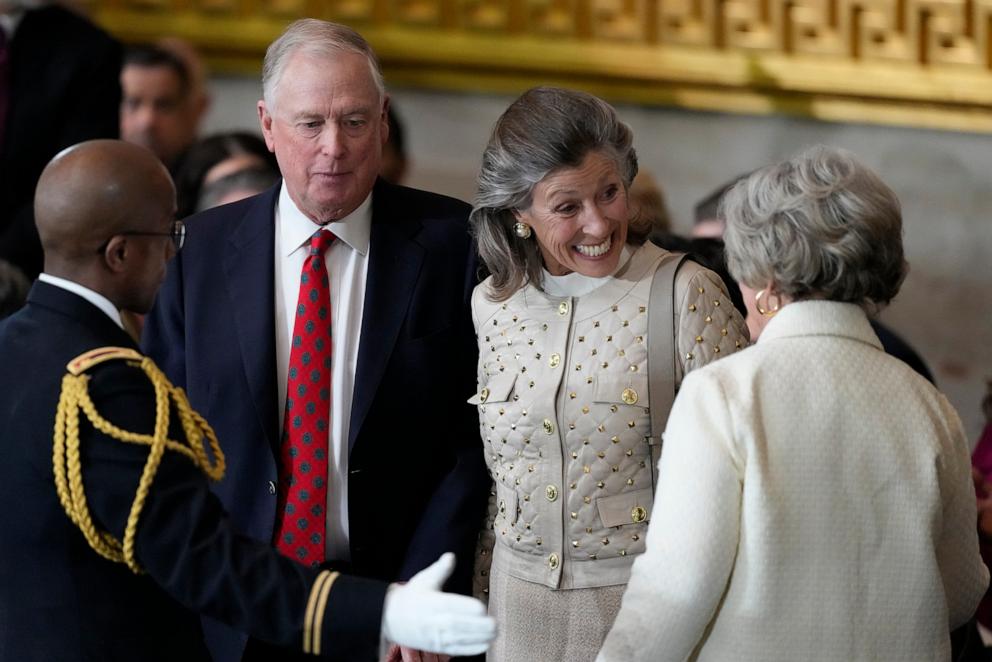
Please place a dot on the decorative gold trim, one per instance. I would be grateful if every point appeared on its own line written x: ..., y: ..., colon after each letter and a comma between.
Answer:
x: 908, y: 62
x: 308, y: 616
x: 318, y: 623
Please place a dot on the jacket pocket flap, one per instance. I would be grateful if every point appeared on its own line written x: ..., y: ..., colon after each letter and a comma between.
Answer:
x: 630, y: 389
x: 497, y: 389
x: 627, y: 508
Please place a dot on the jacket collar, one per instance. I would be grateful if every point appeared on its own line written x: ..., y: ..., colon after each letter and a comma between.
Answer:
x: 820, y: 318
x: 72, y: 305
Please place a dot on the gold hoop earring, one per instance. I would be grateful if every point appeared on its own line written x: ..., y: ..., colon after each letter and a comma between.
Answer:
x: 522, y: 230
x: 770, y: 311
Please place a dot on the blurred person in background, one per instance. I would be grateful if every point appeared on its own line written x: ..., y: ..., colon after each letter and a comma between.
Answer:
x: 981, y: 461
x: 236, y: 186
x: 59, y: 85
x: 815, y: 497
x: 199, y: 94
x: 706, y: 220
x: 647, y: 200
x: 159, y: 109
x: 215, y: 157
x: 14, y: 286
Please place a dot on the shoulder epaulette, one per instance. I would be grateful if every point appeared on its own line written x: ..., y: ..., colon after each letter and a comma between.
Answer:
x: 200, y: 446
x: 87, y: 360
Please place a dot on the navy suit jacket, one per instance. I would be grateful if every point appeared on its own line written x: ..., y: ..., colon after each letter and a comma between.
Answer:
x: 417, y: 483
x: 60, y: 600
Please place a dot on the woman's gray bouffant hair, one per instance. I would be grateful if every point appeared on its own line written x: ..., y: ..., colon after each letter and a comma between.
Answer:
x: 545, y: 129
x: 820, y: 225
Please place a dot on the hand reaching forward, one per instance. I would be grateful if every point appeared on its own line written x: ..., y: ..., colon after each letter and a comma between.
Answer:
x: 404, y: 654
x: 420, y: 615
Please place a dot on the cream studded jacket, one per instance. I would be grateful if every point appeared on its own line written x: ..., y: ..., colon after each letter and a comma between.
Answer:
x: 563, y: 411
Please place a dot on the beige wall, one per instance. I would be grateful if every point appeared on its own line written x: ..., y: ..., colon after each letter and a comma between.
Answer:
x: 942, y: 178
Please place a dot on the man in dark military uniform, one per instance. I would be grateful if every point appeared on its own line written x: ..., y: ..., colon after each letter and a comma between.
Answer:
x: 109, y: 556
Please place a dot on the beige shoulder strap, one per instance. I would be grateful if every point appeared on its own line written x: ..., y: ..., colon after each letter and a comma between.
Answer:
x: 661, y: 349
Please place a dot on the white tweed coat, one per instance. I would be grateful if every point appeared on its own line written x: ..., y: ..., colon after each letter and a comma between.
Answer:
x: 814, y: 503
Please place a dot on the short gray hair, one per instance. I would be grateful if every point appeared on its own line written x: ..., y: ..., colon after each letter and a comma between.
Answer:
x: 319, y: 38
x: 819, y: 225
x: 545, y: 129
x: 251, y: 180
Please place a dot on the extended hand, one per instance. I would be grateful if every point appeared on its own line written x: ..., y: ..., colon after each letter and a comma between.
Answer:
x: 420, y: 615
x: 404, y: 654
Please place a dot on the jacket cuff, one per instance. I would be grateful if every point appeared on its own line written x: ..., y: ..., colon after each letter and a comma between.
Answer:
x: 349, y: 625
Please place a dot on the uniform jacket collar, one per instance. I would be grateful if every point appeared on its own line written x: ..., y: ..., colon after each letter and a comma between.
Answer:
x: 79, y: 309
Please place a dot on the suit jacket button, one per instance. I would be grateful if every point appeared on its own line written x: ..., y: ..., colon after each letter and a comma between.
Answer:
x: 272, y: 487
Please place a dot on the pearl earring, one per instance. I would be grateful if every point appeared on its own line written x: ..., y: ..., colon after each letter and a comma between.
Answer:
x: 522, y: 230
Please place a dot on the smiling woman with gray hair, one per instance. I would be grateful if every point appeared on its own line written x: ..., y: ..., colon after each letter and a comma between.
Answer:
x: 563, y: 398
x: 815, y: 498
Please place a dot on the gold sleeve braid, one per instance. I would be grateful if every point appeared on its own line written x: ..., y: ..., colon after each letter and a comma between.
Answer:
x: 313, y: 620
x: 74, y: 398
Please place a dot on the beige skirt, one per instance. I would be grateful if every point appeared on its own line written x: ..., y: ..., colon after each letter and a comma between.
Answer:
x: 537, y: 624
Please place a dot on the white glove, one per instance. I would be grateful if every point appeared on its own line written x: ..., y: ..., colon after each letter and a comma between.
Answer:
x: 420, y: 615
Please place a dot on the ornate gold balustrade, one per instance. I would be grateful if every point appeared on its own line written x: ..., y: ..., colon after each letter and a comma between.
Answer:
x: 912, y: 62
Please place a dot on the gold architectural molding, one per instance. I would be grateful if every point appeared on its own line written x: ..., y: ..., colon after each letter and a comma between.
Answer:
x: 909, y: 62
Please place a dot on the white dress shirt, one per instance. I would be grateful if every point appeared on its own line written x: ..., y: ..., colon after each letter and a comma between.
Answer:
x: 98, y: 300
x: 347, y: 266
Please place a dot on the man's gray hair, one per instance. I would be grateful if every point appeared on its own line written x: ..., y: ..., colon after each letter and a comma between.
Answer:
x: 317, y: 38
x: 819, y: 225
x: 544, y: 130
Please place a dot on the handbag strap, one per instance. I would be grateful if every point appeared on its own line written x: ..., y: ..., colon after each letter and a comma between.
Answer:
x: 661, y: 347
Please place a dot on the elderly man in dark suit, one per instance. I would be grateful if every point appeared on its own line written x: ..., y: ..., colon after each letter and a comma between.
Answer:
x: 110, y: 558
x: 323, y: 328
x: 59, y: 85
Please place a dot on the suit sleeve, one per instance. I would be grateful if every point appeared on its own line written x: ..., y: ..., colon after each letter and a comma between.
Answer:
x: 187, y: 545
x: 457, y: 508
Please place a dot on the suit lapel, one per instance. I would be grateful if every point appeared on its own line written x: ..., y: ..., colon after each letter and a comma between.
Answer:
x: 249, y: 271
x: 395, y: 259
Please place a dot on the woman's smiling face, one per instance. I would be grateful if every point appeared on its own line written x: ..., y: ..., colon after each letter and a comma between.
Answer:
x: 579, y: 216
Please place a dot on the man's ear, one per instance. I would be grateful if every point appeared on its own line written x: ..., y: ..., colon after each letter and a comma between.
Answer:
x: 384, y: 119
x: 116, y: 254
x: 265, y: 121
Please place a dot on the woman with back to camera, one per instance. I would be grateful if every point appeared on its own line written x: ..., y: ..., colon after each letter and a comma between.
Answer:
x: 562, y: 325
x: 815, y: 498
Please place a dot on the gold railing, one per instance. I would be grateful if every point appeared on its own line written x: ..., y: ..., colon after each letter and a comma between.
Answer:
x: 912, y: 62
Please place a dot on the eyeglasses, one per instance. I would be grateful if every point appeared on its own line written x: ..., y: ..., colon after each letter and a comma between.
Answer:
x: 177, y: 232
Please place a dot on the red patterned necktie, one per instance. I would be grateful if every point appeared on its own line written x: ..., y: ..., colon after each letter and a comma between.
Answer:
x: 301, y: 523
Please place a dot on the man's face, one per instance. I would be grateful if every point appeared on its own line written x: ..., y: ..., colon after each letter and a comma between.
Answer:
x: 149, y: 254
x: 154, y: 111
x: 327, y: 127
